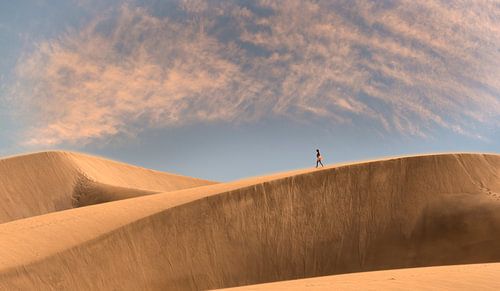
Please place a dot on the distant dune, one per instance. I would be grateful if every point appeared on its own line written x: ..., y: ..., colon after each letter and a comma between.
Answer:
x: 394, y: 213
x: 45, y: 182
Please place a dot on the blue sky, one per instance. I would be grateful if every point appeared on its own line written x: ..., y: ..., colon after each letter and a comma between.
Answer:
x: 228, y: 89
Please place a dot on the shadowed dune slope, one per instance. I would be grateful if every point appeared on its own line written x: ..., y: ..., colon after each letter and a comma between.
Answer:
x: 457, y: 277
x: 394, y: 213
x: 45, y: 182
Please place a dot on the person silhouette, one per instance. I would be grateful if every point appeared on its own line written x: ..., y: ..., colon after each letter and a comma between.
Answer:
x: 318, y: 159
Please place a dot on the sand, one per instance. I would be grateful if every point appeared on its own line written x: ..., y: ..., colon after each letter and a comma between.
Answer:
x: 45, y: 182
x: 394, y: 213
x: 457, y: 277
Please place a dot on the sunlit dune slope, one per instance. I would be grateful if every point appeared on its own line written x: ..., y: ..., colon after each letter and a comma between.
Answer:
x: 394, y: 213
x: 456, y: 277
x: 44, y: 182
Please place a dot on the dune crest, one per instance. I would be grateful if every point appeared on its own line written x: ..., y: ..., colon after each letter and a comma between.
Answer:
x: 45, y: 182
x: 394, y: 213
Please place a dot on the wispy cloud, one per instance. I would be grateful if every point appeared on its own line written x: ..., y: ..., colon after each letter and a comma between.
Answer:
x: 408, y: 67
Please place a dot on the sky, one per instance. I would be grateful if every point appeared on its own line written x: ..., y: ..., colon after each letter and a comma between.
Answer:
x: 223, y: 90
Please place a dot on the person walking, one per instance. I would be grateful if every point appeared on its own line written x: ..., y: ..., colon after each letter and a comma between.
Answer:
x: 318, y: 159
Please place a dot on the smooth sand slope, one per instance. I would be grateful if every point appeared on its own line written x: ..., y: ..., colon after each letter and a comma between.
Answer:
x: 45, y: 182
x: 456, y: 277
x: 395, y: 213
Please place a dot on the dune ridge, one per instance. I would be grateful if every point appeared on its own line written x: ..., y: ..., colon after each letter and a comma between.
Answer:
x: 44, y: 182
x: 393, y: 213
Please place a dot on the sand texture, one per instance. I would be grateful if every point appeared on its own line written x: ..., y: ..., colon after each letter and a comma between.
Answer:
x: 394, y: 213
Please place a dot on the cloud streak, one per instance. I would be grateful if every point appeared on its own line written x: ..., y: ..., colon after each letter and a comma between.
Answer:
x: 406, y: 67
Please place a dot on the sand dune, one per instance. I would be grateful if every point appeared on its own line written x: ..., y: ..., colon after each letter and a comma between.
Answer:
x: 52, y: 181
x: 457, y: 277
x: 394, y: 213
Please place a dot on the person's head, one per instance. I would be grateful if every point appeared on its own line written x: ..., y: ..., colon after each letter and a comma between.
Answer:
x: 317, y: 150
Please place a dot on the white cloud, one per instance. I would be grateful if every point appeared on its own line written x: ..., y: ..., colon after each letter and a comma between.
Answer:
x: 406, y: 66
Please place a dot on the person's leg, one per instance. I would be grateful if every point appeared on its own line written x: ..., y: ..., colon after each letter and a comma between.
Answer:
x: 321, y: 163
x: 317, y: 161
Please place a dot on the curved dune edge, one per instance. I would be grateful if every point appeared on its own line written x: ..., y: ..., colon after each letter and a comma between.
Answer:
x: 45, y: 182
x: 259, y: 230
x: 88, y: 192
x: 458, y: 277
